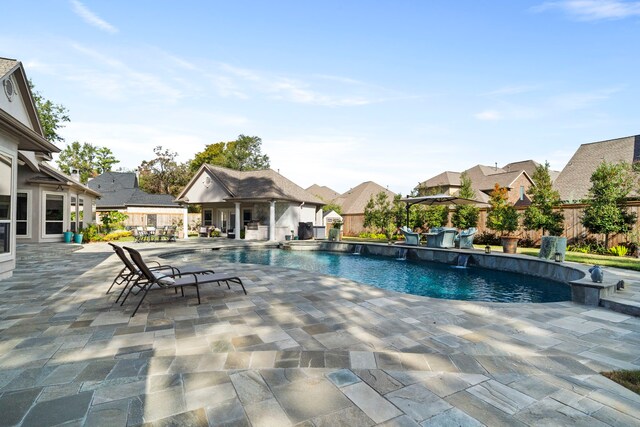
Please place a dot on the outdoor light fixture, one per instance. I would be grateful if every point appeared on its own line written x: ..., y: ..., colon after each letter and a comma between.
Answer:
x: 558, y: 257
x: 487, y: 249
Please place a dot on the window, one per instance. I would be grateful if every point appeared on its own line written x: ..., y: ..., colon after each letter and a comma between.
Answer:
x: 6, y: 182
x: 54, y: 214
x: 207, y: 217
x: 246, y: 216
x: 152, y: 220
x: 522, y: 192
x: 22, y: 214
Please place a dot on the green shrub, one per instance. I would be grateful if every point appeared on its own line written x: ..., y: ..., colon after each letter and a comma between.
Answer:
x: 487, y: 238
x: 618, y: 250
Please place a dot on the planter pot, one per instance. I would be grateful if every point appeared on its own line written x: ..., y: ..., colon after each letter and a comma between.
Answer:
x: 68, y: 235
x: 509, y: 245
x: 77, y: 238
x: 287, y: 237
x: 334, y: 234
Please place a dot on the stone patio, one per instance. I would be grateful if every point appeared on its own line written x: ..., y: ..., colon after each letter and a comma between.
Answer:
x: 300, y: 349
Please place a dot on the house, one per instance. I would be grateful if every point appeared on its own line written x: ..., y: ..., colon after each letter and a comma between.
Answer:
x: 261, y: 203
x: 353, y: 203
x: 121, y: 192
x: 36, y: 201
x: 324, y: 193
x: 574, y: 181
x: 515, y: 177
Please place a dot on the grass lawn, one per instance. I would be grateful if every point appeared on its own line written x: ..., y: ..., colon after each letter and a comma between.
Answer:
x: 628, y: 379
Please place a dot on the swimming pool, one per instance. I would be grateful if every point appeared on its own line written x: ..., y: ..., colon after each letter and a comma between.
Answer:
x: 423, y: 278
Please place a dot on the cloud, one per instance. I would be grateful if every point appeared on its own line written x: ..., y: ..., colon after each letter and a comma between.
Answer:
x: 489, y: 115
x: 592, y: 10
x: 91, y: 18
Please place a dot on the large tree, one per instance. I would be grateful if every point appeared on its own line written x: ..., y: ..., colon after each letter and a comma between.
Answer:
x: 502, y: 215
x: 163, y: 174
x: 52, y: 116
x: 245, y: 153
x: 540, y: 214
x: 606, y: 210
x: 383, y: 213
x: 466, y: 216
x: 87, y: 159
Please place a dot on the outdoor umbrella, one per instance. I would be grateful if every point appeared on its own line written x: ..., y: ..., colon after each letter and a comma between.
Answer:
x: 438, y: 200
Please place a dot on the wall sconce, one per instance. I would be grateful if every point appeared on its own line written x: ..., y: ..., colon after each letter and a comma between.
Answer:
x: 558, y: 257
x: 487, y: 249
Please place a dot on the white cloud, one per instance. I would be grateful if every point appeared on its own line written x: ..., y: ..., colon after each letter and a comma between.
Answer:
x: 489, y: 115
x: 91, y: 18
x: 593, y: 10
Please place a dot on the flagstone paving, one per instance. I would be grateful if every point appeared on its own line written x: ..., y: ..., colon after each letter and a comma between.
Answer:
x: 300, y: 349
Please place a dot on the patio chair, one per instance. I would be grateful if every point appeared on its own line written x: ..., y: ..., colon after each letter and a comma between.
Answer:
x: 170, y: 234
x: 203, y: 232
x: 464, y: 240
x: 151, y: 280
x: 441, y: 237
x: 138, y: 234
x: 410, y: 237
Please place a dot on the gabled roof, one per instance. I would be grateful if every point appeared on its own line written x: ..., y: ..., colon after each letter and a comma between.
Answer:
x: 265, y: 184
x: 355, y: 200
x: 50, y: 175
x: 120, y: 190
x: 529, y: 166
x: 12, y: 67
x: 324, y: 193
x: 574, y: 181
x: 445, y: 179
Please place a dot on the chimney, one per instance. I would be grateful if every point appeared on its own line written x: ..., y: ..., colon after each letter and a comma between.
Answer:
x: 496, y: 166
x: 75, y: 175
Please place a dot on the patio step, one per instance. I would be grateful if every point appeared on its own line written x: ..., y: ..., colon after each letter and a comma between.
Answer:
x: 626, y: 300
x: 44, y: 251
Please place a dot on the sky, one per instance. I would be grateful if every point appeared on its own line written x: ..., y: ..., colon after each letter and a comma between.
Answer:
x: 341, y: 92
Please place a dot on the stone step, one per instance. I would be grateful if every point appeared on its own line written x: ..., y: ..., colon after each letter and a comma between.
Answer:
x: 619, y: 303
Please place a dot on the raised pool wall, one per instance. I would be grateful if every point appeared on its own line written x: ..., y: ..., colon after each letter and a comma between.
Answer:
x: 583, y: 290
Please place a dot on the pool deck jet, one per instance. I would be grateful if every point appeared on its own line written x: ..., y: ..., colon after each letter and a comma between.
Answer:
x: 300, y: 349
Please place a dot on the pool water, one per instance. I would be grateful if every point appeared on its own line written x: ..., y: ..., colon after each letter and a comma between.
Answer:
x: 423, y: 278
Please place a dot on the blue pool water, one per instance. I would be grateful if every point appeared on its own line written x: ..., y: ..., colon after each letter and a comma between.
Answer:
x: 412, y: 277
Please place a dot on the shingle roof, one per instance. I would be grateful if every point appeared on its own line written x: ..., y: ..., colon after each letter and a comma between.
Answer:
x: 447, y: 178
x: 7, y: 65
x: 355, y: 200
x: 260, y: 184
x: 323, y: 192
x: 574, y: 181
x: 120, y: 189
x: 50, y: 175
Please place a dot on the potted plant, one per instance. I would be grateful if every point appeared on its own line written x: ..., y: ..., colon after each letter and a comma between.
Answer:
x: 334, y: 233
x: 77, y: 238
x: 68, y: 235
x: 503, y: 217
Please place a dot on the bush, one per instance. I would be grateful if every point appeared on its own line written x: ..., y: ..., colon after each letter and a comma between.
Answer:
x: 618, y: 250
x: 487, y: 238
x: 527, y: 242
x: 377, y: 236
x: 588, y: 246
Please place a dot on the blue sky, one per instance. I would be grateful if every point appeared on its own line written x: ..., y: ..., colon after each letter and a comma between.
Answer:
x: 340, y: 92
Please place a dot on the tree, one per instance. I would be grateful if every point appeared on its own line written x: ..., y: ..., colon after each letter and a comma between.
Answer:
x: 502, y: 215
x: 465, y: 216
x: 540, y: 214
x: 52, y: 116
x: 332, y: 207
x: 87, y: 159
x: 245, y: 153
x: 163, y: 175
x: 379, y: 214
x: 606, y: 212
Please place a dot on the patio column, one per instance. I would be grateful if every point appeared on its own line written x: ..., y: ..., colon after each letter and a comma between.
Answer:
x: 272, y: 220
x: 185, y: 225
x: 237, y: 225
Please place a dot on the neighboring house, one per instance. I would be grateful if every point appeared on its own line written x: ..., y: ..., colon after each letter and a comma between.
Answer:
x: 574, y: 181
x: 35, y: 199
x: 328, y: 218
x: 353, y: 202
x: 515, y: 177
x: 121, y: 192
x: 324, y: 193
x: 264, y: 203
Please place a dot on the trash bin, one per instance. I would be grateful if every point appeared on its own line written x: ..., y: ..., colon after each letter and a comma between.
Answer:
x: 305, y: 230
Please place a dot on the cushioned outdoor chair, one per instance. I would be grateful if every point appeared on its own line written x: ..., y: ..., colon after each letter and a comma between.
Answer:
x: 465, y: 238
x: 441, y: 237
x: 150, y: 280
x: 410, y: 237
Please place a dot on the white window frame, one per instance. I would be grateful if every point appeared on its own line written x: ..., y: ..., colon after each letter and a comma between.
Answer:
x: 65, y: 213
x: 203, y: 216
x: 29, y: 213
x: 7, y: 256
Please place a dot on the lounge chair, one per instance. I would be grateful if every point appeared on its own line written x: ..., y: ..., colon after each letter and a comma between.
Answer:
x: 150, y: 280
x: 441, y: 237
x: 410, y: 237
x: 465, y: 238
x: 130, y: 273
